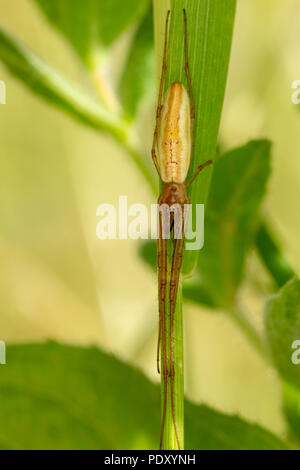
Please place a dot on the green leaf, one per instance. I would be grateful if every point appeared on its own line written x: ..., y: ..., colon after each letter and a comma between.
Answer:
x: 237, y: 189
x: 92, y: 24
x: 207, y: 429
x: 147, y: 252
x: 282, y: 322
x: 139, y: 73
x: 274, y: 260
x: 210, y: 28
x: 291, y: 408
x: 48, y: 84
x: 60, y: 397
x: 195, y: 292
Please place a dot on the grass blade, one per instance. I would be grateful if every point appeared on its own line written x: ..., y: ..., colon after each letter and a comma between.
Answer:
x: 210, y: 29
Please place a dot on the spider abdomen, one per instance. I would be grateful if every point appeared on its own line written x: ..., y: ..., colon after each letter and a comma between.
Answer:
x: 174, y: 135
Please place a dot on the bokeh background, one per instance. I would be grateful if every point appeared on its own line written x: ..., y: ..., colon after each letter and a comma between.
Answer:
x: 58, y: 281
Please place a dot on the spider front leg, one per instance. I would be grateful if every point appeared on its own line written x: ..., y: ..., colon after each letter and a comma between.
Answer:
x: 198, y: 170
x: 160, y: 96
x: 188, y: 75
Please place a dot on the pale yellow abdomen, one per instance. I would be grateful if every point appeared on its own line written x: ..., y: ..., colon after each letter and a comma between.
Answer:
x: 174, y: 135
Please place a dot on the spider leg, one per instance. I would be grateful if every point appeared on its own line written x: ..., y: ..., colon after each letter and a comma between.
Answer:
x: 174, y: 282
x: 162, y: 287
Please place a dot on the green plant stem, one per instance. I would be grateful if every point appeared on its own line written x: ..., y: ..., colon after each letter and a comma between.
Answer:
x: 169, y: 440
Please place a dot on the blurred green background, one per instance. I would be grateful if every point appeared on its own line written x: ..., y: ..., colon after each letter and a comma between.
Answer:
x: 58, y: 281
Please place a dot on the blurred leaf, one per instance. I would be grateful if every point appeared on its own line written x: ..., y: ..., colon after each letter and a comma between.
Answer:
x: 88, y: 25
x: 207, y: 429
x: 237, y: 189
x: 210, y: 28
x: 147, y: 252
x: 195, y: 292
x: 60, y: 397
x: 291, y: 408
x: 273, y: 258
x: 47, y: 83
x: 139, y: 74
x: 282, y: 322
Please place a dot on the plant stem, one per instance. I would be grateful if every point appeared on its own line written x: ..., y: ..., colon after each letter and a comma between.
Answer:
x: 170, y: 441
